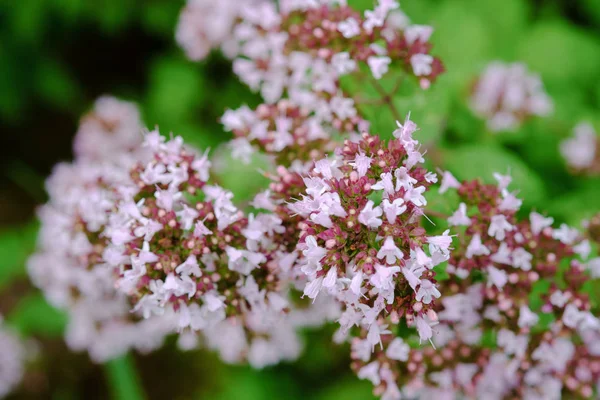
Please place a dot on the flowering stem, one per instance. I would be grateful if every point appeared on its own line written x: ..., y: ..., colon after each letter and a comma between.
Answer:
x: 123, y: 379
x: 386, y: 98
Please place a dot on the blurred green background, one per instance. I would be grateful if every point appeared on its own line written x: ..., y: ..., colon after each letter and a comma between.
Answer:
x: 58, y: 56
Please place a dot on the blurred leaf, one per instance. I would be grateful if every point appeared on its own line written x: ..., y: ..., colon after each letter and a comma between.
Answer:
x: 561, y: 53
x: 123, y: 379
x: 55, y: 84
x: 113, y: 15
x: 481, y: 161
x: 243, y: 383
x: 15, y: 246
x: 161, y: 16
x: 577, y: 205
x: 245, y: 181
x: 462, y: 40
x: 28, y: 20
x: 176, y: 88
x: 348, y: 389
x: 505, y: 20
x: 429, y: 109
x: 34, y: 316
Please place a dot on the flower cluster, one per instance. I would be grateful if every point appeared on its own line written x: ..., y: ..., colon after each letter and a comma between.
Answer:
x: 507, y: 94
x: 68, y: 265
x: 290, y: 133
x: 181, y: 246
x: 111, y: 128
x: 490, y: 343
x: 363, y: 243
x: 582, y: 151
x: 12, y: 359
x: 303, y: 48
x: 206, y: 24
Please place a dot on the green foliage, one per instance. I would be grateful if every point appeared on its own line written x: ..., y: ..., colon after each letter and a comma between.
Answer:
x: 123, y: 380
x: 481, y: 161
x: 33, y: 316
x: 15, y: 246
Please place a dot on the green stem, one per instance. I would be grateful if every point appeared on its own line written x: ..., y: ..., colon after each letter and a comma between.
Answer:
x: 123, y: 379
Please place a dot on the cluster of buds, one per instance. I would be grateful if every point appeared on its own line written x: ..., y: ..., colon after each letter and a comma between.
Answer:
x: 13, y: 357
x: 68, y: 265
x: 490, y: 344
x: 582, y: 151
x: 507, y: 94
x: 303, y: 48
x: 180, y: 246
x: 363, y: 243
x: 290, y: 133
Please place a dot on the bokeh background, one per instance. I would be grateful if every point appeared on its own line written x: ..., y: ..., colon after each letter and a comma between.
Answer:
x: 58, y: 56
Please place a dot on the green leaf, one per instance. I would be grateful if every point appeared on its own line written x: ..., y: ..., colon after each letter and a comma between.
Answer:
x: 34, y: 316
x: 176, y: 90
x: 561, y: 53
x: 481, y: 161
x: 461, y: 39
x: 123, y: 379
x: 348, y: 389
x: 245, y: 181
x: 55, y: 84
x: 15, y: 246
x: 429, y: 109
x: 575, y: 206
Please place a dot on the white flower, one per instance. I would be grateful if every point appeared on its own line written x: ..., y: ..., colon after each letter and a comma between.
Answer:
x: 460, y: 217
x: 448, y: 181
x: 349, y: 28
x: 356, y: 283
x: 580, y: 150
x: 565, y: 234
x: 539, y: 222
x: 361, y: 164
x: 497, y: 277
x: 503, y: 255
x: 313, y: 288
x: 424, y: 325
x: 342, y: 63
x: 390, y: 251
x: 385, y: 183
x: 379, y: 65
x: 398, y: 350
x: 370, y: 372
x: 509, y: 202
x: 427, y: 291
x: 330, y: 278
x: 521, y: 259
x: 415, y: 196
x: 527, y: 318
x: 393, y: 209
x: 503, y: 180
x: 422, y: 33
x: 440, y: 243
x: 384, y: 276
x: 476, y: 247
x: 403, y: 179
x: 499, y: 226
x: 421, y: 64
x: 369, y: 216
